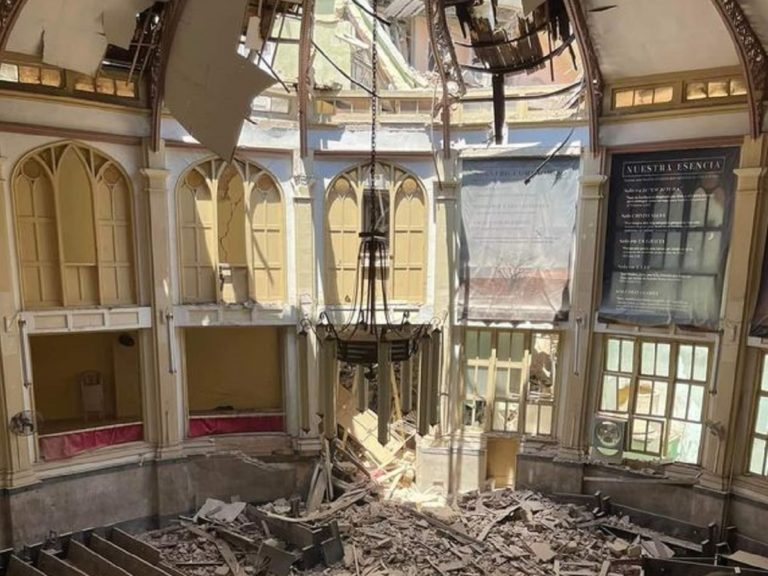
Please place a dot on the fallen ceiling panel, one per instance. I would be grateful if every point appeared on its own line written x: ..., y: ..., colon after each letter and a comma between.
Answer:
x: 209, y: 87
x: 74, y: 34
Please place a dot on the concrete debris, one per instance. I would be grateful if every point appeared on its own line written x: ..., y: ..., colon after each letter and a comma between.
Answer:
x: 361, y: 533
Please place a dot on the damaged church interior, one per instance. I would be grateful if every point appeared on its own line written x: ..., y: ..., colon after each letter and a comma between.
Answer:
x: 383, y: 287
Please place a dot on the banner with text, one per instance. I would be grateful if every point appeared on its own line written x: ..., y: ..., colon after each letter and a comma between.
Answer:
x: 759, y: 326
x: 667, y: 238
x: 517, y: 238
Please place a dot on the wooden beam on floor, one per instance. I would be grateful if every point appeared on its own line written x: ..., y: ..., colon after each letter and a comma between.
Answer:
x: 135, y: 546
x: 53, y: 566
x: 127, y: 561
x: 17, y: 567
x: 90, y: 562
x: 145, y: 551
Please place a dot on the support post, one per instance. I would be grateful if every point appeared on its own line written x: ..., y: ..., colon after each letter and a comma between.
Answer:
x: 167, y: 428
x: 577, y: 342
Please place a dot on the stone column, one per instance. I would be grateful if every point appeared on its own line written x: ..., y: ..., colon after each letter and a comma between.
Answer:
x: 576, y: 346
x: 308, y: 439
x: 17, y: 453
x: 166, y: 396
x: 721, y: 419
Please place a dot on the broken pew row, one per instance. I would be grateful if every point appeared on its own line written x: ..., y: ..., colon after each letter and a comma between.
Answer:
x: 106, y: 552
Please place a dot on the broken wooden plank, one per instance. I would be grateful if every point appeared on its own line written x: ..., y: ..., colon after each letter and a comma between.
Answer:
x: 224, y: 550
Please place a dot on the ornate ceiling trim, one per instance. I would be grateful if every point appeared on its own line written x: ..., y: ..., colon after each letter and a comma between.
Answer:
x: 9, y: 12
x: 592, y: 75
x: 753, y: 58
x: 167, y: 29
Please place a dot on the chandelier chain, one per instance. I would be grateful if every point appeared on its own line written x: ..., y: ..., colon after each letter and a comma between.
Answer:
x: 374, y: 106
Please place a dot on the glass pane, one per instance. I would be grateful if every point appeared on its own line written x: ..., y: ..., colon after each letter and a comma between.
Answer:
x: 541, y: 366
x: 675, y: 439
x: 627, y: 352
x: 757, y: 461
x: 503, y: 346
x: 518, y: 346
x: 545, y: 420
x: 471, y: 344
x: 655, y: 435
x: 662, y: 359
x: 513, y: 413
x: 532, y: 419
x: 648, y: 358
x: 499, y: 415
x: 700, y: 363
x: 684, y: 362
x: 623, y: 395
x: 689, y: 446
x: 469, y: 381
x: 644, y: 394
x: 502, y: 378
x: 612, y: 355
x: 608, y: 401
x: 515, y: 380
x: 484, y: 345
x: 696, y: 403
x: 639, y: 429
x: 680, y: 403
x: 764, y: 379
x: 761, y: 423
x: 481, y: 384
x: 659, y: 400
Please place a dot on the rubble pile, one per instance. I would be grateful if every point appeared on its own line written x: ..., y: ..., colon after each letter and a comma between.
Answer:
x: 362, y: 534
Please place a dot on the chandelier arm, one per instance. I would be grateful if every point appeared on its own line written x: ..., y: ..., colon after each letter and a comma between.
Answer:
x: 356, y: 306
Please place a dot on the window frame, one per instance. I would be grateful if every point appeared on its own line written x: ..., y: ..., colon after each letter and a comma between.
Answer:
x: 673, y: 379
x: 754, y: 436
x: 523, y: 398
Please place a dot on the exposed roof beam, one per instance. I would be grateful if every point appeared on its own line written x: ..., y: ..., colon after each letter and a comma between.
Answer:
x: 753, y: 58
x: 9, y: 12
x: 303, y: 87
x: 170, y: 17
x: 592, y: 75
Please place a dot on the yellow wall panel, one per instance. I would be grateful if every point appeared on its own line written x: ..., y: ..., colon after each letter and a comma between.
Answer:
x: 233, y: 367
x: 57, y: 362
x: 73, y: 205
x: 76, y: 210
x: 243, y: 228
x: 406, y: 269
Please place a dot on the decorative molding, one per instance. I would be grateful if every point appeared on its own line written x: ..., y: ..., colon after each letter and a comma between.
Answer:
x: 9, y: 12
x: 169, y: 20
x: 753, y: 58
x: 592, y: 75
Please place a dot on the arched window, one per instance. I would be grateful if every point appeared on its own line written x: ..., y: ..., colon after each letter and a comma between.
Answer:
x: 231, y: 250
x: 74, y: 228
x: 403, y: 217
